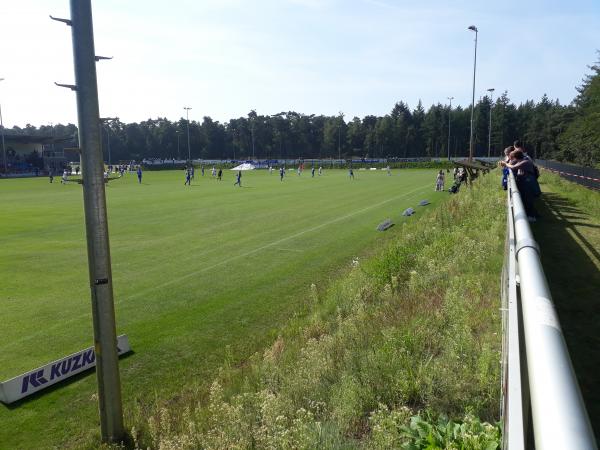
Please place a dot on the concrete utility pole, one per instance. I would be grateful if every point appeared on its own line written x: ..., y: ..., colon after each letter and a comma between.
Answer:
x: 449, y: 117
x: 491, y: 91
x: 187, y: 116
x: 2, y: 134
x: 473, y: 28
x: 96, y: 222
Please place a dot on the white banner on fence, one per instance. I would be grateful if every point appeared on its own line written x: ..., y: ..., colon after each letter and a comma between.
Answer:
x: 54, y: 372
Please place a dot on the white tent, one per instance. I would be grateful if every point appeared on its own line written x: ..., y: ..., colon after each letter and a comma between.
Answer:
x: 245, y: 166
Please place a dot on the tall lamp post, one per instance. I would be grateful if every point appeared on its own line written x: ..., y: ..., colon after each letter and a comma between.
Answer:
x: 252, y: 130
x: 449, y: 117
x: 107, y: 121
x: 2, y: 133
x: 339, y: 145
x: 473, y: 28
x: 187, y: 117
x: 491, y: 91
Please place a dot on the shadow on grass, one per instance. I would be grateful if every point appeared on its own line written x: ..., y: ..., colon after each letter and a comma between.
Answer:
x: 59, y: 385
x: 571, y: 263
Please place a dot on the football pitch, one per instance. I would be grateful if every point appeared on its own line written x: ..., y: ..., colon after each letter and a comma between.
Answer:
x: 201, y: 273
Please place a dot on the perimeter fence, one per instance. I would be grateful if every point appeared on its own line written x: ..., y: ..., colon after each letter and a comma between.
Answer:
x: 542, y: 406
x: 585, y: 176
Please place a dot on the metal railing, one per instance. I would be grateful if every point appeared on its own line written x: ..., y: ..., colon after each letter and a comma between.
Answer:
x: 542, y: 406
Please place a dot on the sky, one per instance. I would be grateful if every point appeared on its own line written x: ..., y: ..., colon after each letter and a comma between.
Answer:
x: 224, y: 58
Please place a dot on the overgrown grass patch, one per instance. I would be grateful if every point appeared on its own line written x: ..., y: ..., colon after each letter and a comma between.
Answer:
x: 404, y: 351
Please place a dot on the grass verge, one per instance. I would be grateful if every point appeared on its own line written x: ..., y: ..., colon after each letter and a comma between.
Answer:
x: 402, y: 352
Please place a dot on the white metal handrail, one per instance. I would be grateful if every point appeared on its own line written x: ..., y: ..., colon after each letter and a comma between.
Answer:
x: 558, y: 415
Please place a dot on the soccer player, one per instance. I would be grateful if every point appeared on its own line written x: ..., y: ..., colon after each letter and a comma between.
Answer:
x: 192, y: 171
x: 389, y: 171
x: 299, y: 170
x: 312, y: 171
x: 202, y: 168
x: 139, y: 174
x: 188, y: 177
x: 320, y: 170
x: 351, y: 173
x: 65, y: 177
x: 281, y: 173
x: 219, y: 174
x: 50, y: 174
x: 214, y: 172
x: 239, y: 179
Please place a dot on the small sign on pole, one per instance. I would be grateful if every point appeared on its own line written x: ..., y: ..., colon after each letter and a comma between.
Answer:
x: 54, y: 372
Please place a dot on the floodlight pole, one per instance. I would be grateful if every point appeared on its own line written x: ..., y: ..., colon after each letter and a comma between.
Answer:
x: 491, y: 91
x: 473, y: 28
x: 252, y: 140
x: 187, y: 116
x: 94, y: 199
x: 2, y: 134
x: 449, y: 117
x: 339, y: 146
x: 107, y: 120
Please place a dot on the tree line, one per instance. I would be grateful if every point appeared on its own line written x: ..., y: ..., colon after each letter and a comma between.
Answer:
x: 548, y: 129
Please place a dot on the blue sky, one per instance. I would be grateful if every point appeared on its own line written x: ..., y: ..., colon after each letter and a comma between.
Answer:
x: 226, y: 57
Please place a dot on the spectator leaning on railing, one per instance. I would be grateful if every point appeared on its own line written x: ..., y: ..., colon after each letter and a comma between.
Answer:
x: 525, y: 175
x: 507, y: 152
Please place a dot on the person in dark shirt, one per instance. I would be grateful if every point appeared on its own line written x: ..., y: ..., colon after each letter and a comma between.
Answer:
x: 524, y: 171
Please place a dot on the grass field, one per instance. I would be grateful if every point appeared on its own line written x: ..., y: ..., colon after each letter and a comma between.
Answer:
x: 201, y: 274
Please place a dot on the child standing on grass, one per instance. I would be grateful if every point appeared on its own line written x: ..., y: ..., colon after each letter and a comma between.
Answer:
x: 439, y: 181
x: 239, y: 179
x: 188, y: 178
x: 281, y: 173
x: 507, y: 151
x: 139, y: 174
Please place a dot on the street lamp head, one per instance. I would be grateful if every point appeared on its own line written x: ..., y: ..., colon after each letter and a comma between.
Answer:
x: 491, y: 90
x: 473, y: 28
